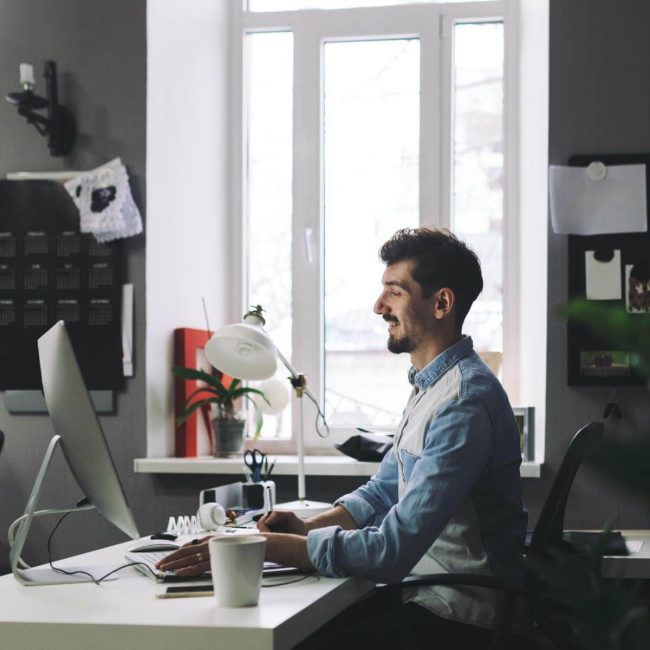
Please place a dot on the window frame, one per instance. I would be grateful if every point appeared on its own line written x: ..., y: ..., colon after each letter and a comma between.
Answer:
x: 433, y: 24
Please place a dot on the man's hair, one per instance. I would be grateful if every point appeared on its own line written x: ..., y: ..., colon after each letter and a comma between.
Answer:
x: 441, y: 260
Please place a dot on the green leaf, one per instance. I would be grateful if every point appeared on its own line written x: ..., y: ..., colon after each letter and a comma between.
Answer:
x: 202, y: 390
x: 198, y: 375
x: 621, y: 330
x: 244, y: 390
x: 259, y: 417
x: 190, y: 409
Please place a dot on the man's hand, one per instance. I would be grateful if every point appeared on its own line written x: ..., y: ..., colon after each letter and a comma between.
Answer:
x: 286, y: 521
x: 283, y: 521
x: 191, y: 559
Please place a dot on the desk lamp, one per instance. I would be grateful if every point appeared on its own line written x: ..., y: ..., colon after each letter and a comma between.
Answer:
x: 246, y: 351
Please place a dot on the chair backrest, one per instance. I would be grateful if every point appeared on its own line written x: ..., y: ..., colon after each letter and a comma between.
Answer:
x: 2, y: 440
x: 548, y: 531
x: 548, y: 534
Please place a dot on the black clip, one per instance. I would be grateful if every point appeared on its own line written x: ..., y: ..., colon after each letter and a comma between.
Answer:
x: 612, y: 408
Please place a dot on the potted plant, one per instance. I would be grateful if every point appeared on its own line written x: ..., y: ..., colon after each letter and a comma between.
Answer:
x: 227, y: 424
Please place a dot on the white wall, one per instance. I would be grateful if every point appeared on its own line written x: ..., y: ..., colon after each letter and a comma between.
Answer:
x: 533, y: 207
x: 187, y: 189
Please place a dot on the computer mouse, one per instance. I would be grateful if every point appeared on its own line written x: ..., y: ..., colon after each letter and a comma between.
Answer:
x: 147, y: 546
x: 169, y: 536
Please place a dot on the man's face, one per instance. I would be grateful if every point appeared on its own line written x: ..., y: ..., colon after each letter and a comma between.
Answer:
x: 410, y: 317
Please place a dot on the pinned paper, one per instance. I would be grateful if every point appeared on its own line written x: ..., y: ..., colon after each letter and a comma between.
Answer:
x: 105, y: 203
x: 585, y: 203
x: 603, y: 274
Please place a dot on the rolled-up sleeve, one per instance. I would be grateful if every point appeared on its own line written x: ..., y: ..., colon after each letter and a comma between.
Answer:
x: 369, y: 504
x: 457, y: 449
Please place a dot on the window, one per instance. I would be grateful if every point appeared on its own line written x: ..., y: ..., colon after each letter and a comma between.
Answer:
x: 350, y: 124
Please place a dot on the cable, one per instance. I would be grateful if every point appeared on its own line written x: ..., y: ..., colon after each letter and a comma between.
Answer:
x: 319, y: 416
x: 82, y: 505
x: 125, y: 566
x: 288, y: 582
x: 97, y: 581
x: 49, y: 555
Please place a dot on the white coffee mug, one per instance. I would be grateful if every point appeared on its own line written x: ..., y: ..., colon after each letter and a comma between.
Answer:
x: 236, y: 563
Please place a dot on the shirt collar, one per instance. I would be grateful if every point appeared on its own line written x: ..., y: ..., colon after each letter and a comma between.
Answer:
x: 436, y: 368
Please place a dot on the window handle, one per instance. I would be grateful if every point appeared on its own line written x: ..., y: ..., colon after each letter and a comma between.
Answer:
x: 309, y: 245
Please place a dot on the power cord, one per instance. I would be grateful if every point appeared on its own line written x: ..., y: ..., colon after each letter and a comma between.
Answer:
x: 319, y: 416
x: 97, y: 581
x: 288, y: 582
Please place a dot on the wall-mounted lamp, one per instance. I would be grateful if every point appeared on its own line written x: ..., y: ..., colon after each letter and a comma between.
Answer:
x: 59, y: 126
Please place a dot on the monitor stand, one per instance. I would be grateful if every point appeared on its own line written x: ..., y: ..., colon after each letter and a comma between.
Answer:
x: 46, y: 575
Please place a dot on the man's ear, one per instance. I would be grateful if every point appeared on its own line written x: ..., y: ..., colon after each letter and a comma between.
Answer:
x: 444, y: 301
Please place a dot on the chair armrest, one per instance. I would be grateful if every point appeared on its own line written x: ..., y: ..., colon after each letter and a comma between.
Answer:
x: 460, y: 579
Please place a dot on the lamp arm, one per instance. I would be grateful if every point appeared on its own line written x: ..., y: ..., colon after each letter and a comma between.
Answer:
x: 286, y: 364
x: 294, y: 376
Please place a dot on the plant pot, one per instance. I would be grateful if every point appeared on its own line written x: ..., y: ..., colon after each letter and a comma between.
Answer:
x: 228, y: 437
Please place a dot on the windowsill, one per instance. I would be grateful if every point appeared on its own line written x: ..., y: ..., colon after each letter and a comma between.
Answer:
x: 284, y: 466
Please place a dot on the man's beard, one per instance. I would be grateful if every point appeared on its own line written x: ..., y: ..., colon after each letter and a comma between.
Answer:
x: 397, y: 346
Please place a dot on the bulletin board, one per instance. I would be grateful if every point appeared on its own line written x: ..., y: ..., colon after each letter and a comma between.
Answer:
x: 613, y: 269
x: 50, y: 271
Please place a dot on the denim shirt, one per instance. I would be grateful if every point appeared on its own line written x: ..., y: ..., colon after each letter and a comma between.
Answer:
x: 446, y: 498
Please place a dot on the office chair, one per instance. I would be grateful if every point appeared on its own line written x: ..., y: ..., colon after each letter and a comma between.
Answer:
x: 547, y: 535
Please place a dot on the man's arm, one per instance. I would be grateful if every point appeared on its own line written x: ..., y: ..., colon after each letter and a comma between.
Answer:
x: 286, y: 534
x: 285, y: 521
x: 456, y: 451
x: 287, y: 550
x: 336, y: 516
x: 366, y: 506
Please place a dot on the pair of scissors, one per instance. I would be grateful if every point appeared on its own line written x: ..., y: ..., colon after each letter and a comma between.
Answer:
x: 256, y: 461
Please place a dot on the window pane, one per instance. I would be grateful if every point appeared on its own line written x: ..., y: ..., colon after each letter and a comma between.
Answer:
x: 371, y: 134
x: 292, y: 5
x: 268, y: 192
x: 478, y: 171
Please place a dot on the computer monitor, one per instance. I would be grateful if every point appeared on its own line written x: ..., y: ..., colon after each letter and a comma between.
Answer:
x: 82, y: 441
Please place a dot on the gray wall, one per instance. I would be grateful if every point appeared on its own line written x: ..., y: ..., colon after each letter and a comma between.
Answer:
x: 599, y: 103
x: 100, y: 51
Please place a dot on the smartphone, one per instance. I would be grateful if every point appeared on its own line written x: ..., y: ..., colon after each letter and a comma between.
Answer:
x: 185, y: 591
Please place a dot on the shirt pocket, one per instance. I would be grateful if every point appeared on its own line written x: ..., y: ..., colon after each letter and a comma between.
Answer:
x: 408, y: 462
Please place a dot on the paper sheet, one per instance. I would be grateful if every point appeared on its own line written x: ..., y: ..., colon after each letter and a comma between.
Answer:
x: 603, y: 276
x: 616, y: 204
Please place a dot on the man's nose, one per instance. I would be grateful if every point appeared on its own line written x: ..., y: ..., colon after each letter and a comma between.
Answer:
x: 379, y: 306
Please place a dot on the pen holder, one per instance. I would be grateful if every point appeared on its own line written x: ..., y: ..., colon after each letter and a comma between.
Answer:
x: 259, y: 495
x: 241, y: 495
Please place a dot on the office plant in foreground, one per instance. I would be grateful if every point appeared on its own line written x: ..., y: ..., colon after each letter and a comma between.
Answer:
x: 601, y: 611
x: 224, y: 398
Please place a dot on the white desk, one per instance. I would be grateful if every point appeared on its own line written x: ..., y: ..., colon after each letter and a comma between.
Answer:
x: 633, y: 566
x: 125, y: 614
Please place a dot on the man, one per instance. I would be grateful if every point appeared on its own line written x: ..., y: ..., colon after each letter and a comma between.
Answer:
x: 447, y: 497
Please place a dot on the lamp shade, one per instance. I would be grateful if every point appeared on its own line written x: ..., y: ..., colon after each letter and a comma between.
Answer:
x: 243, y: 351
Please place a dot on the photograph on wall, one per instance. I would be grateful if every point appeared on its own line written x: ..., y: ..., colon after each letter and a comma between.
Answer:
x: 605, y: 363
x: 637, y: 288
x: 603, y: 274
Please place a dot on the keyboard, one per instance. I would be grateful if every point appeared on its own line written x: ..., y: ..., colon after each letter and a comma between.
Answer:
x: 147, y: 560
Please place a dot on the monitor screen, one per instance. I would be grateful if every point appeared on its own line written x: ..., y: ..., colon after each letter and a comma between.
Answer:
x: 74, y: 419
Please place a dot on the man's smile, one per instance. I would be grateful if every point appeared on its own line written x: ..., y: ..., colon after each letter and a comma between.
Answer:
x: 392, y: 322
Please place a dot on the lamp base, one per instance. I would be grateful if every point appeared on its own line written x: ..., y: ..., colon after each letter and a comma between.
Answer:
x: 304, y: 508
